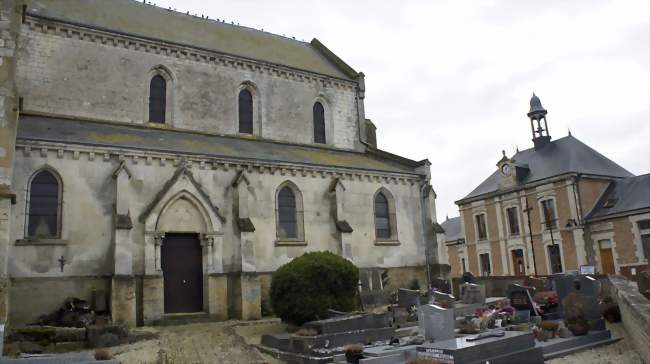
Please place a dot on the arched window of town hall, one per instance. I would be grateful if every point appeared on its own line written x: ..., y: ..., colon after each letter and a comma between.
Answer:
x: 157, y: 99
x: 43, y: 206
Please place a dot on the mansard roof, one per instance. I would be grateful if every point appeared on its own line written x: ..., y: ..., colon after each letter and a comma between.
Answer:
x: 452, y: 229
x: 147, y: 139
x: 623, y: 197
x: 135, y: 18
x: 563, y: 156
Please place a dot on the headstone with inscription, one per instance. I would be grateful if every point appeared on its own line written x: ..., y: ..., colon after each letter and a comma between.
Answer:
x: 436, y: 323
x: 521, y: 298
x: 472, y: 293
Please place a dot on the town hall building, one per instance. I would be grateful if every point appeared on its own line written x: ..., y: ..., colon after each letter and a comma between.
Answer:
x: 555, y: 208
x: 173, y: 162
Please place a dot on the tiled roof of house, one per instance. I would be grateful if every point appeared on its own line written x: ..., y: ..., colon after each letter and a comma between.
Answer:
x: 452, y: 229
x: 622, y: 197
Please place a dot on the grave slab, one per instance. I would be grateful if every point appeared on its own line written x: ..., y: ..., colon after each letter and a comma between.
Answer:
x: 513, y: 347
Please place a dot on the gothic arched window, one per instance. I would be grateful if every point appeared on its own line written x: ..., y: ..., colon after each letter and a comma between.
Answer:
x: 382, y: 217
x: 287, y: 216
x: 43, y: 206
x: 157, y: 99
x: 319, y: 123
x: 245, y: 112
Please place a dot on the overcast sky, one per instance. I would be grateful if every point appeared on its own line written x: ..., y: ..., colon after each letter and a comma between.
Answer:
x: 451, y: 80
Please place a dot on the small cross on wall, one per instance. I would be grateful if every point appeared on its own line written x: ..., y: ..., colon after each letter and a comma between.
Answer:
x: 62, y: 262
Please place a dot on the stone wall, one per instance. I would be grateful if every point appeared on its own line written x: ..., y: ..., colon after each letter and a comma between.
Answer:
x: 32, y: 297
x: 88, y: 194
x: 9, y: 105
x: 103, y: 80
x: 635, y: 311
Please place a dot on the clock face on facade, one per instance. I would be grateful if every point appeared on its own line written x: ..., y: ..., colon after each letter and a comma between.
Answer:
x: 505, y: 169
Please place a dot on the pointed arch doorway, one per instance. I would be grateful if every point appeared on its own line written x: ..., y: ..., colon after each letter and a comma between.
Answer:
x: 181, y: 263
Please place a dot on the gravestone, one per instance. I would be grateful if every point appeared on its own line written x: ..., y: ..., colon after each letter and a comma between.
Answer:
x: 444, y: 300
x: 540, y: 284
x: 521, y: 298
x: 472, y: 293
x: 436, y: 323
x: 588, y: 287
x: 512, y: 347
x: 407, y: 298
x: 441, y: 285
x: 468, y: 277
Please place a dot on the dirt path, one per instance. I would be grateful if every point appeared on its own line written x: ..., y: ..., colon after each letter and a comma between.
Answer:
x: 200, y: 343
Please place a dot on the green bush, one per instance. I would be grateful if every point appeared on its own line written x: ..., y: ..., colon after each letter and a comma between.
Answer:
x: 303, y: 289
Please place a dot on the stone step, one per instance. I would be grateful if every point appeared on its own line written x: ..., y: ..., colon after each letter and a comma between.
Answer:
x: 184, y: 318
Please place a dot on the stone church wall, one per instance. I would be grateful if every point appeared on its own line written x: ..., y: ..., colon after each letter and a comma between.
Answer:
x: 87, y: 221
x: 90, y: 76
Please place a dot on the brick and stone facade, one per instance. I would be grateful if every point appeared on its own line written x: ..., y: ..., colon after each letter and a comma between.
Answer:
x: 564, y: 182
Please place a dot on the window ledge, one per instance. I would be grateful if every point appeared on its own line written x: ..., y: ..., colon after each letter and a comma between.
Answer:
x: 290, y: 243
x: 41, y: 241
x: 387, y: 242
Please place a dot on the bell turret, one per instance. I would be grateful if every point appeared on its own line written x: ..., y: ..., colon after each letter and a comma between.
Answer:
x: 536, y: 114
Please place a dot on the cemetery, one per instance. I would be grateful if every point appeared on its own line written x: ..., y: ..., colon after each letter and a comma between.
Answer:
x: 537, y: 320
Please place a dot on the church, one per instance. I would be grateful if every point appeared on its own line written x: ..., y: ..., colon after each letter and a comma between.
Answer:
x: 171, y: 163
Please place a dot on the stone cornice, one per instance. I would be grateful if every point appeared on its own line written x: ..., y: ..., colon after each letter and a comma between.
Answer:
x: 30, y: 148
x: 180, y: 51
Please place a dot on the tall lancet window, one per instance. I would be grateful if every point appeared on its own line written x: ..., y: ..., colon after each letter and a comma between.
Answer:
x: 382, y: 217
x: 287, y: 217
x: 245, y: 112
x: 319, y: 123
x: 44, y: 206
x: 157, y: 99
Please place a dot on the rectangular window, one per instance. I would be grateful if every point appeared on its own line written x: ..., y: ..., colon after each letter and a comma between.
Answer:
x: 485, y: 264
x: 548, y: 210
x: 554, y: 258
x: 480, y: 226
x: 462, y: 261
x: 513, y: 220
x: 644, y: 231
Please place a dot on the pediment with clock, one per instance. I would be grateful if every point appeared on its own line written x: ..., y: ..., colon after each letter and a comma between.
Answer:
x: 511, y: 173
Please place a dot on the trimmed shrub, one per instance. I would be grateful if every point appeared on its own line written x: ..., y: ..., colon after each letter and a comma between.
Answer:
x: 305, y: 288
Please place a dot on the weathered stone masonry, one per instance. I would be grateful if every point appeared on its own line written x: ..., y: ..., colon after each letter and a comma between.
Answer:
x: 127, y: 183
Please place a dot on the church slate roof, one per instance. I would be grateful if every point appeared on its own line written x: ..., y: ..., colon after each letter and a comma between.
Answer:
x: 559, y: 157
x: 138, y: 137
x: 147, y: 21
x: 623, y: 196
x: 452, y: 229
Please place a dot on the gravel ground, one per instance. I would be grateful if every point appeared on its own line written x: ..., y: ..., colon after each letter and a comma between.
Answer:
x: 231, y: 343
x: 620, y: 352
